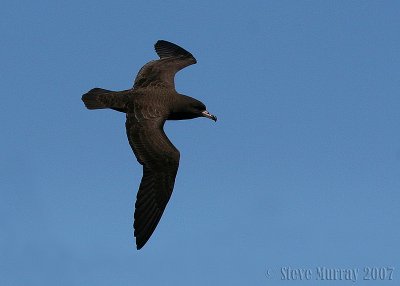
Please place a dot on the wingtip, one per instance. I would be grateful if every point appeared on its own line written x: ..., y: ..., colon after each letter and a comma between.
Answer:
x: 167, y: 49
x: 140, y: 243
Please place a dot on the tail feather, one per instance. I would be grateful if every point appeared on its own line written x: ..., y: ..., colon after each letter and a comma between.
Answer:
x: 95, y: 98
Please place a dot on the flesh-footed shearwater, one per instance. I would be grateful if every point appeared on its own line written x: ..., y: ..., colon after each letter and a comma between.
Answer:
x: 148, y: 104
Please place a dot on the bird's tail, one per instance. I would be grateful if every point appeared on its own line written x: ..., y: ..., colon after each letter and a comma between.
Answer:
x: 95, y: 98
x: 98, y: 98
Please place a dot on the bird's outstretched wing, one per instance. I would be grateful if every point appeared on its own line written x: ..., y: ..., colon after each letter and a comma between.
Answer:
x: 161, y: 73
x: 160, y: 160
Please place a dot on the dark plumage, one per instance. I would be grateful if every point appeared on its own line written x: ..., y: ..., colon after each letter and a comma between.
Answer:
x: 152, y: 100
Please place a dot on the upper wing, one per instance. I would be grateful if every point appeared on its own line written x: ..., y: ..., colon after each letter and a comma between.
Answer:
x: 161, y: 73
x: 160, y: 160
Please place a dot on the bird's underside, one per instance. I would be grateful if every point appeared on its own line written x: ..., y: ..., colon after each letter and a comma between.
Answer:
x: 150, y: 102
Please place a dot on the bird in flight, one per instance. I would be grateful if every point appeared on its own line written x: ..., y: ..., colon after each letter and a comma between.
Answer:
x: 148, y: 104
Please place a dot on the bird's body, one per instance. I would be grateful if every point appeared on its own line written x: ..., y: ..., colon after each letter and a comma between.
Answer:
x: 152, y: 100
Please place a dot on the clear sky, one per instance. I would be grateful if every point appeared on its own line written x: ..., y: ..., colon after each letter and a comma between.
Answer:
x: 301, y: 170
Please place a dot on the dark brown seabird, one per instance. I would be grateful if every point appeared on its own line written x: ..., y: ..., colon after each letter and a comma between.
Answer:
x: 152, y: 100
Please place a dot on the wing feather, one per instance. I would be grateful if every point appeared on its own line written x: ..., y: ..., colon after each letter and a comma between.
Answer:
x: 160, y: 160
x: 161, y: 73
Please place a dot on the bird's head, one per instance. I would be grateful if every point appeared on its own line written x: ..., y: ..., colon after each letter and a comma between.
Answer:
x: 200, y: 109
x: 187, y: 107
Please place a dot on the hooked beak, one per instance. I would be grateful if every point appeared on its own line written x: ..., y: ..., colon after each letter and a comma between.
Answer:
x: 207, y: 114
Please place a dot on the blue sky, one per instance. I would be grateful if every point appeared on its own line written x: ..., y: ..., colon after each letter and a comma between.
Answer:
x: 302, y: 169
